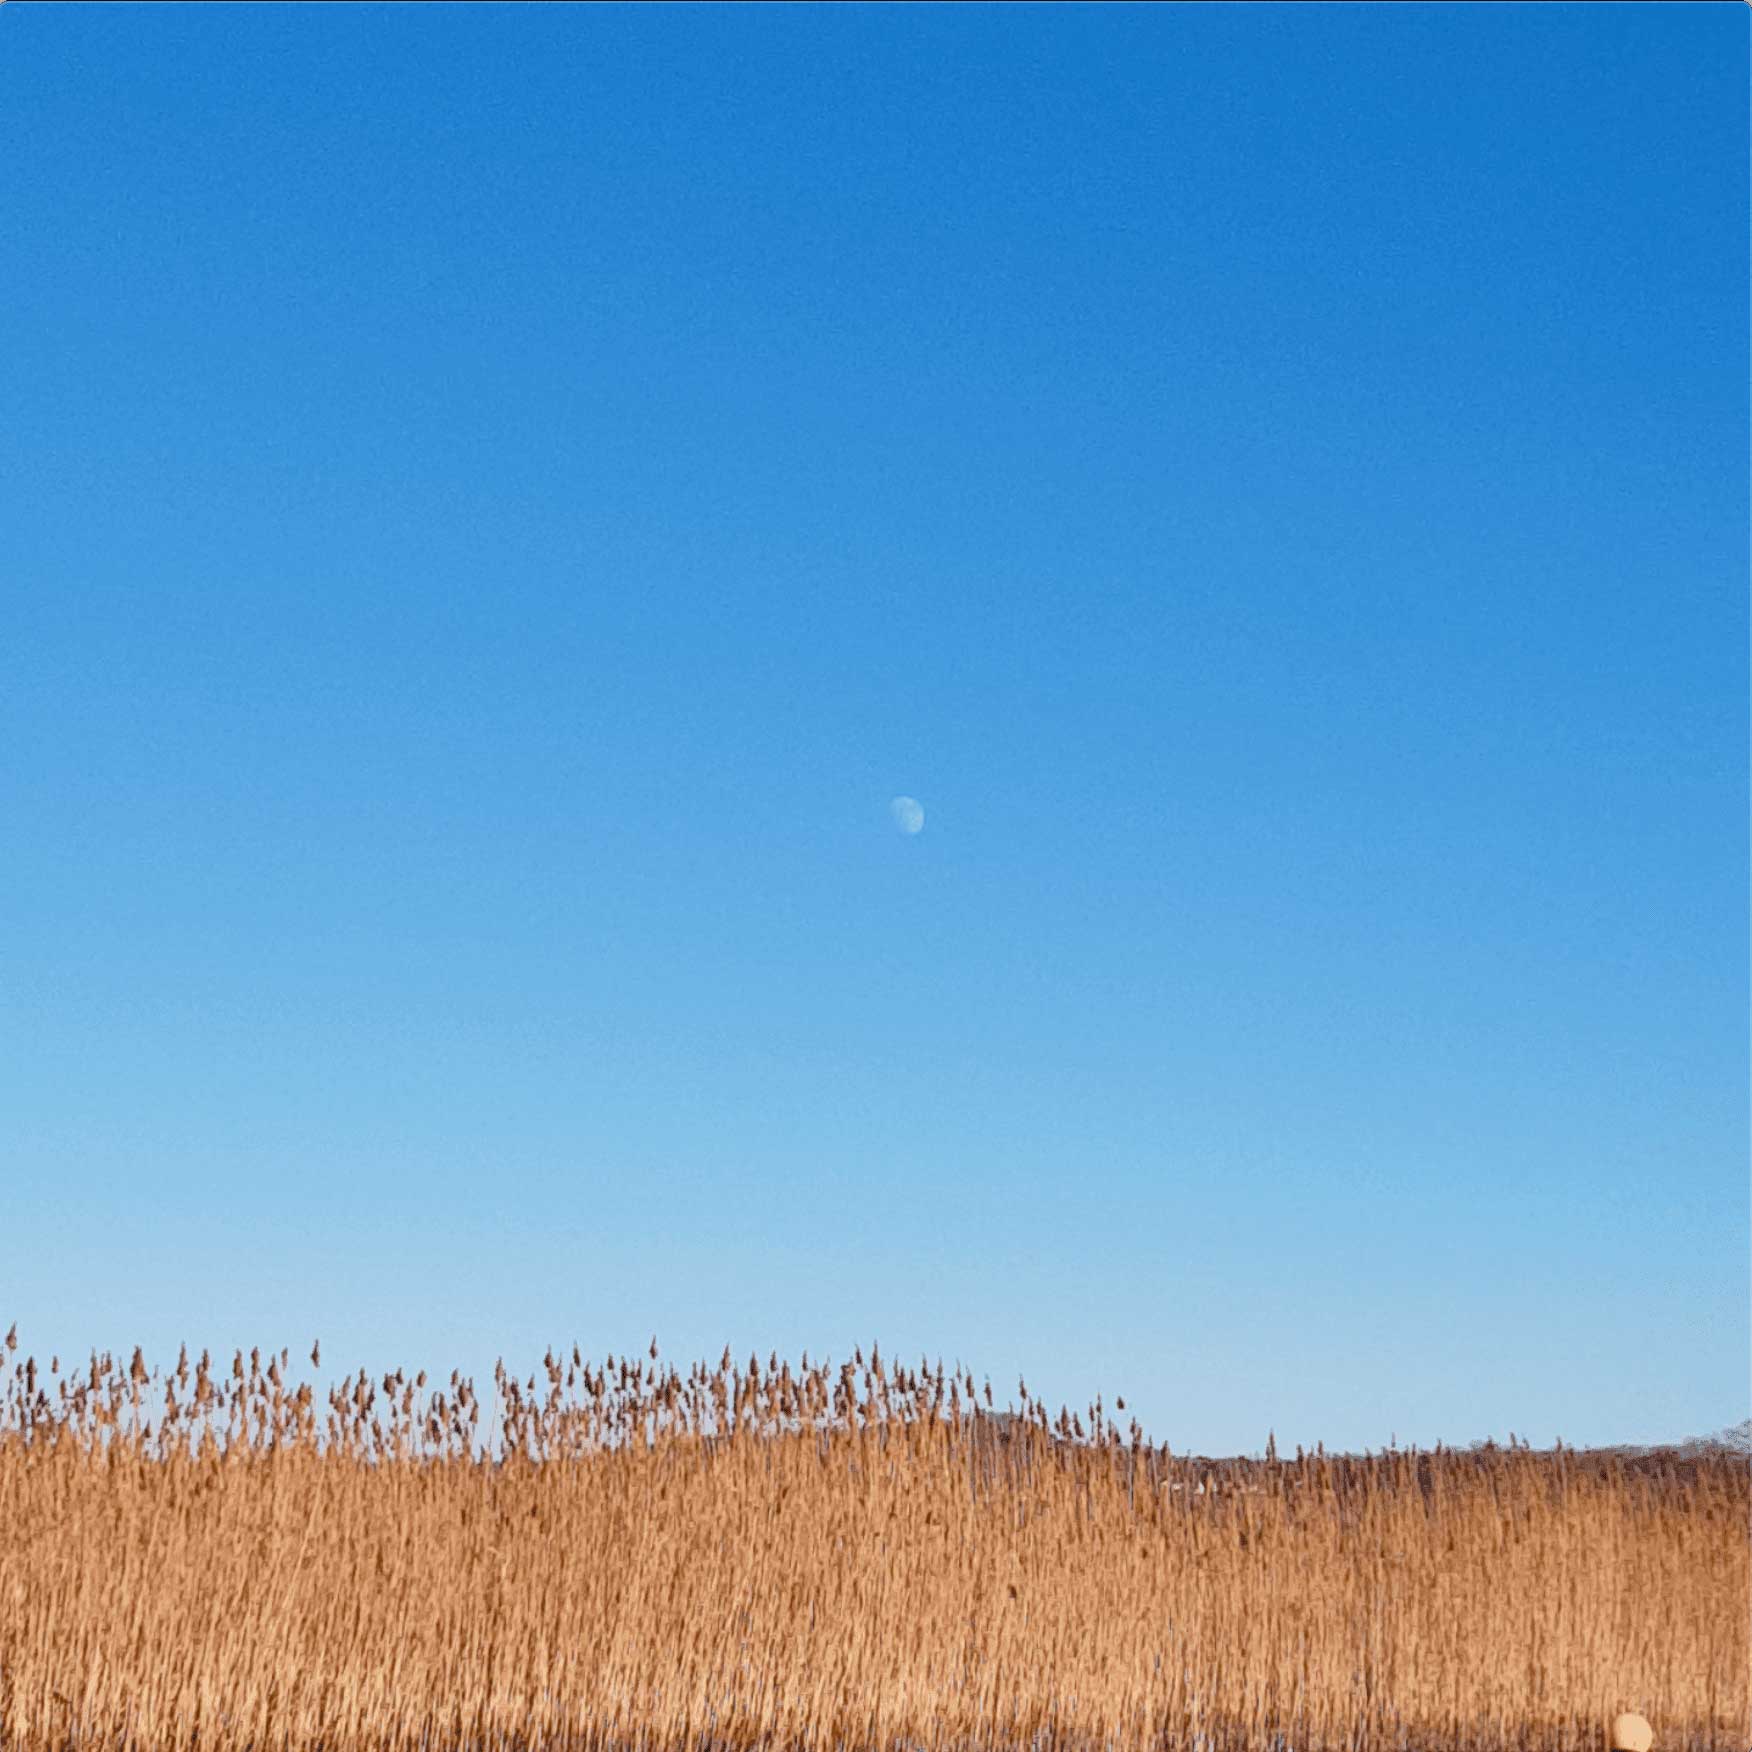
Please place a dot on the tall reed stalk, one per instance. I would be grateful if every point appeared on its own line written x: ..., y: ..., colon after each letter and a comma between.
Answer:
x: 215, y: 1559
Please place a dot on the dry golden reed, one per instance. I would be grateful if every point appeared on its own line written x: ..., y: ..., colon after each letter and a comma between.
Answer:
x: 624, y: 1555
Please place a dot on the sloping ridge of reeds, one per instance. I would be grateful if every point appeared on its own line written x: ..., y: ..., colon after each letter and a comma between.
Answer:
x: 864, y: 1556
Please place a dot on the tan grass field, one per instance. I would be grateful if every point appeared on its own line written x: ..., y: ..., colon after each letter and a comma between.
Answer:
x: 626, y: 1555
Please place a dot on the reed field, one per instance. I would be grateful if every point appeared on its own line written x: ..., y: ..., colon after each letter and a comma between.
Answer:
x: 865, y: 1555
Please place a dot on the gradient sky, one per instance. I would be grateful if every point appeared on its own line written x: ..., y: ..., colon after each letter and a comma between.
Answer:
x: 496, y: 503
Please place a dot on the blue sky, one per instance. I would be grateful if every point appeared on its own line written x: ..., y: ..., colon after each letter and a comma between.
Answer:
x: 498, y: 501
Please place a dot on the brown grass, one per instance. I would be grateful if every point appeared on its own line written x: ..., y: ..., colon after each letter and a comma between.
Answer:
x: 623, y: 1556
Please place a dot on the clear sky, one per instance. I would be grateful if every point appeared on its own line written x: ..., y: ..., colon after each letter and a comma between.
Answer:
x: 497, y: 502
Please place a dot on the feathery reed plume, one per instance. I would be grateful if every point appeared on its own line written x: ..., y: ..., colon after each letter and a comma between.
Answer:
x: 861, y: 1556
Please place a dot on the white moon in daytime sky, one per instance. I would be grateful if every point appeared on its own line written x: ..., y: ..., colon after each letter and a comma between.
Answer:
x: 908, y: 813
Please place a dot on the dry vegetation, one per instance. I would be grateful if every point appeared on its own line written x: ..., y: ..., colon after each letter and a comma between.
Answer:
x: 624, y: 1555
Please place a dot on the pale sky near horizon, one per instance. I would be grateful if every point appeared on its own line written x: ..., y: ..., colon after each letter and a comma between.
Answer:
x: 500, y: 503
